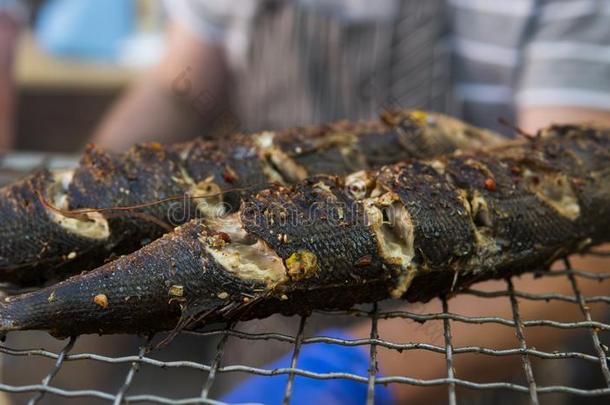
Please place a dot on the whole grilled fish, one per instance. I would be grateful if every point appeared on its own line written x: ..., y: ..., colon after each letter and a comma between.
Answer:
x: 413, y: 230
x: 46, y: 231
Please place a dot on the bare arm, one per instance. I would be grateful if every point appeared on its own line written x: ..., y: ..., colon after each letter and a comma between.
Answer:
x: 175, y: 100
x: 532, y: 119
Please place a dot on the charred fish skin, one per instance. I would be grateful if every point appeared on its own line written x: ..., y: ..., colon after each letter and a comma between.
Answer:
x: 544, y: 201
x: 204, y: 271
x: 57, y: 244
x: 324, y: 244
x: 439, y: 218
x: 588, y: 159
x: 151, y: 284
x: 19, y: 238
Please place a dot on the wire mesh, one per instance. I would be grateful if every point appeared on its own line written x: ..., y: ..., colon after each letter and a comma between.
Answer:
x: 531, y: 389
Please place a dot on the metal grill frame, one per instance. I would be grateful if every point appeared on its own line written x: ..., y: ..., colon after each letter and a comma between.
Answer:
x: 451, y: 381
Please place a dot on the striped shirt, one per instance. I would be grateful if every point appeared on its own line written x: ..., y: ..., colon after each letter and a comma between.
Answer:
x: 311, y: 61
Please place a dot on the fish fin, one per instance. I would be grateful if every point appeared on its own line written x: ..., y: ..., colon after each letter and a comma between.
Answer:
x: 180, y: 326
x: 196, y: 315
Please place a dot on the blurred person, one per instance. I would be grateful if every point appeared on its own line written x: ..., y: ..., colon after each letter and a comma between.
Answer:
x: 276, y: 64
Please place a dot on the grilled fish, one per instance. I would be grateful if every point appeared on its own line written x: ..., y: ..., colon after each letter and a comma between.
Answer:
x: 413, y: 230
x: 48, y: 230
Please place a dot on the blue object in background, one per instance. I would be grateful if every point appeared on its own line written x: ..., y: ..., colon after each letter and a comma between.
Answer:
x: 85, y: 29
x: 319, y: 358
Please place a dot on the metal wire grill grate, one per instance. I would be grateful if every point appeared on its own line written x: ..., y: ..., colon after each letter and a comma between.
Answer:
x: 452, y: 381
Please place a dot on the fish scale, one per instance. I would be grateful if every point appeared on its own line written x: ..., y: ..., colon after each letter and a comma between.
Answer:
x: 323, y: 237
x: 513, y: 204
x: 429, y: 197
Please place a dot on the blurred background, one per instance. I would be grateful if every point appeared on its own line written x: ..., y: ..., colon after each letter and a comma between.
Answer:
x: 71, y: 61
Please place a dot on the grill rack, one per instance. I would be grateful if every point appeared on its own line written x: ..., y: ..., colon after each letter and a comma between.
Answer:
x: 452, y: 381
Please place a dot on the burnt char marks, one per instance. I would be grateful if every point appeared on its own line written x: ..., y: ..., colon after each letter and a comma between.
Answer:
x: 296, y: 142
x: 384, y: 147
x: 316, y: 216
x: 416, y: 135
x: 583, y: 156
x: 422, y: 134
x: 406, y: 135
x: 442, y: 226
x: 334, y: 160
x: 149, y: 173
x: 341, y: 148
x: 32, y: 244
x: 328, y: 149
x: 233, y: 166
x: 518, y: 221
x: 145, y: 173
x: 582, y: 150
x: 516, y: 194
